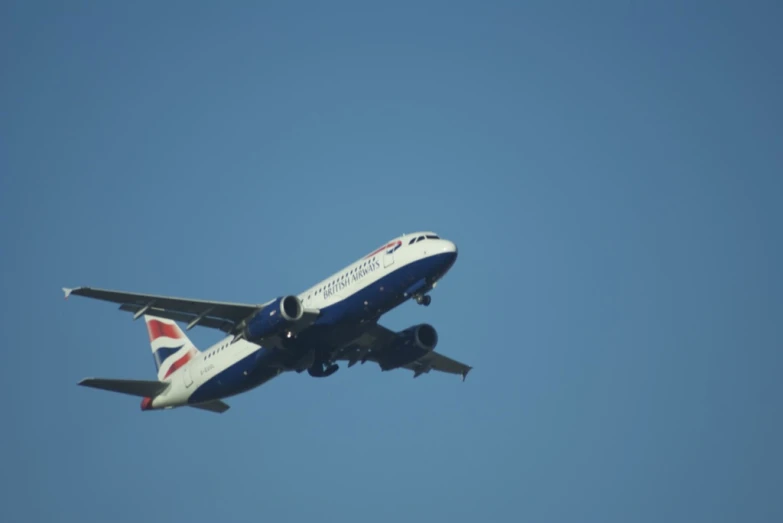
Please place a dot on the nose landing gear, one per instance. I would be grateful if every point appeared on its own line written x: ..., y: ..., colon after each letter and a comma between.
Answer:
x: 424, y: 300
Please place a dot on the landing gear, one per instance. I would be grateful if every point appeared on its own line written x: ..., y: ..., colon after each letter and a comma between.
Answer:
x: 323, y: 370
x: 424, y: 300
x: 305, y: 362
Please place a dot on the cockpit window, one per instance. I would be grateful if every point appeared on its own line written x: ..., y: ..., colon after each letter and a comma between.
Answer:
x: 432, y: 237
x: 419, y: 239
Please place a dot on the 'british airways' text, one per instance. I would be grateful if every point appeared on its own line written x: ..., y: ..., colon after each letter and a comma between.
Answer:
x: 350, y: 278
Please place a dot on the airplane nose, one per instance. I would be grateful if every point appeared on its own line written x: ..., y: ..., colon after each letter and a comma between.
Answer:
x: 450, y: 249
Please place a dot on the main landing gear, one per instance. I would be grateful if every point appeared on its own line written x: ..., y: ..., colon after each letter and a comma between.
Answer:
x: 322, y: 369
x: 424, y: 300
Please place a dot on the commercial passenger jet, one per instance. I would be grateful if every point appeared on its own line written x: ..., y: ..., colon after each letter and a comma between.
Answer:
x: 335, y: 320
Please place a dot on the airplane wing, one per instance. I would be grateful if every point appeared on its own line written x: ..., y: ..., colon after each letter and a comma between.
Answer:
x: 215, y: 314
x: 436, y: 361
x: 220, y: 315
x: 378, y: 338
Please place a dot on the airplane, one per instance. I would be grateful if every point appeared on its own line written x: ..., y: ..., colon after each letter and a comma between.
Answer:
x: 334, y: 320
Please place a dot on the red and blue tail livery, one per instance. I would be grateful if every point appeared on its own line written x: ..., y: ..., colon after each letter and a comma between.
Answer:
x: 171, y: 348
x: 335, y: 320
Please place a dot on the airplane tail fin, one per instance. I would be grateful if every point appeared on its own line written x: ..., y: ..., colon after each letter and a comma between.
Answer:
x: 171, y: 348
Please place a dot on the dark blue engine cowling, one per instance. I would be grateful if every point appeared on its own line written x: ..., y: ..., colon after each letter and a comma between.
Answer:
x: 410, y: 345
x: 274, y: 318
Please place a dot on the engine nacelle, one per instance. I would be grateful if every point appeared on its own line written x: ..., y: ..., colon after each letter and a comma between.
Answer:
x: 411, y: 344
x: 423, y: 337
x: 274, y: 318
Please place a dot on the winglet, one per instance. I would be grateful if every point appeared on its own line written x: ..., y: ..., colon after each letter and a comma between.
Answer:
x: 67, y: 292
x: 465, y: 373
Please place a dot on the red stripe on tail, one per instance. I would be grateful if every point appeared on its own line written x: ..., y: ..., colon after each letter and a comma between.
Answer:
x: 158, y: 329
x: 177, y: 364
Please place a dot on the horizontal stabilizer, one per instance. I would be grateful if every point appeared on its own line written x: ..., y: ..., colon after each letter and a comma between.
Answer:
x: 212, y: 406
x: 144, y: 389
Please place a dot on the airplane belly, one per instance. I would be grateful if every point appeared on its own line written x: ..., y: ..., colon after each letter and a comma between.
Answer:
x: 246, y: 374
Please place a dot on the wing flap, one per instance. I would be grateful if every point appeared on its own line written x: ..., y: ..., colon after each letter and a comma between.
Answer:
x: 184, y: 317
x: 142, y: 388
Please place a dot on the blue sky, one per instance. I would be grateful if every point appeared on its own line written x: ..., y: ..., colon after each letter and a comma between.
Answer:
x: 610, y: 172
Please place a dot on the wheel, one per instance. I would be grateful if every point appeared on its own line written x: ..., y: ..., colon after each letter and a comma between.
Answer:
x: 318, y: 370
x: 423, y: 299
x: 331, y: 369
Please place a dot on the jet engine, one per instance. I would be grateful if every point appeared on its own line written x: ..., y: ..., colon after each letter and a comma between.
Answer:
x: 423, y: 337
x: 274, y: 318
x: 410, y: 345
